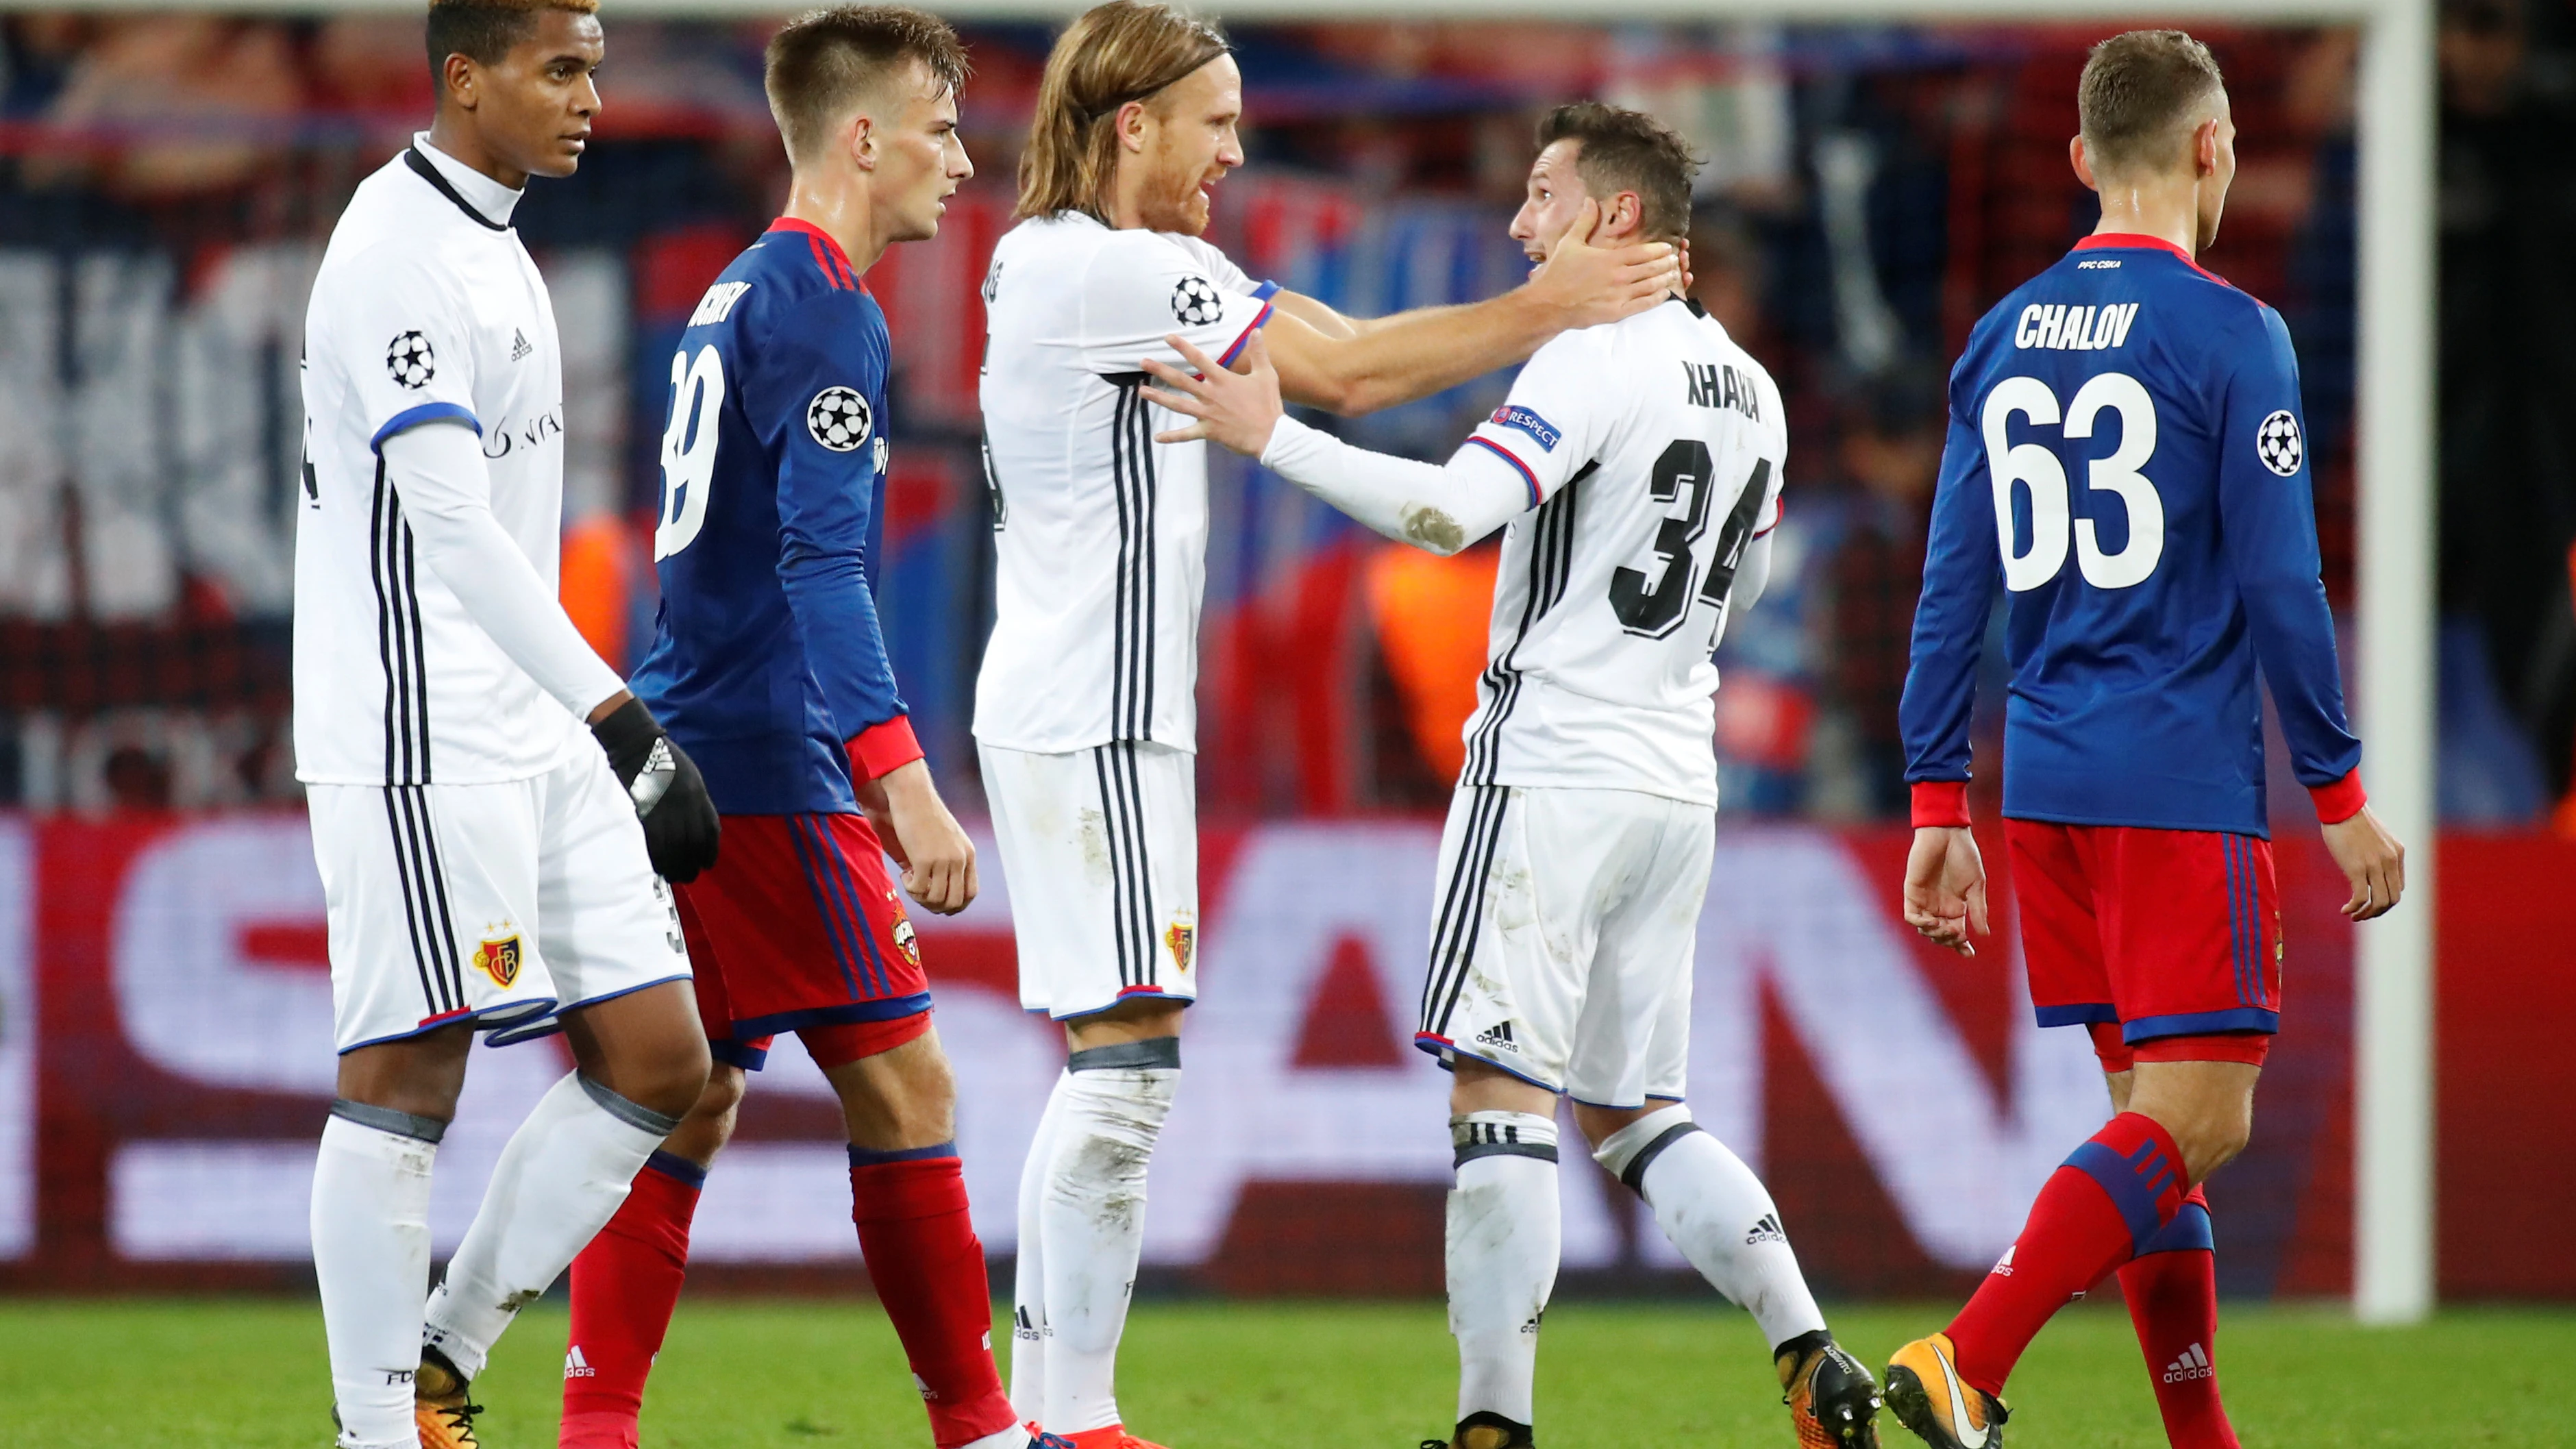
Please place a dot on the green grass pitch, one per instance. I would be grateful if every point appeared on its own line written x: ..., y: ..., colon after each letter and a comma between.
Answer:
x: 1200, y: 1375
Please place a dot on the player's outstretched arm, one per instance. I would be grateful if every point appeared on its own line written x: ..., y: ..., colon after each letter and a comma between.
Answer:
x: 1440, y: 509
x: 1393, y: 360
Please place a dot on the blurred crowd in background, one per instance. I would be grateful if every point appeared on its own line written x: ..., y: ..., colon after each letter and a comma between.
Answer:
x: 166, y: 183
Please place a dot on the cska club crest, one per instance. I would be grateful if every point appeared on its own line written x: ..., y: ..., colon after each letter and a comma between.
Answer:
x: 906, y: 941
x: 1182, y: 940
x: 499, y: 959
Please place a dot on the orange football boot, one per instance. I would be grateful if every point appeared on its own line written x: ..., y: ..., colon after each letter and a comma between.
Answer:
x: 1924, y: 1390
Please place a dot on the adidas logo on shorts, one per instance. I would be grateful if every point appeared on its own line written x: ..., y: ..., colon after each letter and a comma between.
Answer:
x: 2194, y: 1364
x: 1499, y: 1037
x: 1766, y: 1230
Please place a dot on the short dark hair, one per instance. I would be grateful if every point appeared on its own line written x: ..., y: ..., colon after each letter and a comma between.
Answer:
x: 484, y: 30
x: 2137, y: 91
x: 822, y: 62
x: 1623, y: 150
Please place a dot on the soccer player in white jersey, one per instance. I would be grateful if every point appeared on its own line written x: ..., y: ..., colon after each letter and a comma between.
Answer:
x: 483, y: 865
x: 1638, y: 466
x: 1084, y: 710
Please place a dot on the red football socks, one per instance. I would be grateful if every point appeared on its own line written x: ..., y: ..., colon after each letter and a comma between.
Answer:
x: 2172, y: 1288
x: 2097, y: 1211
x: 624, y: 1286
x: 928, y: 1268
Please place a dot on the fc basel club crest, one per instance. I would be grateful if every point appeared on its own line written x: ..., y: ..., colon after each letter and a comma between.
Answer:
x: 1182, y: 940
x: 905, y: 941
x: 499, y: 959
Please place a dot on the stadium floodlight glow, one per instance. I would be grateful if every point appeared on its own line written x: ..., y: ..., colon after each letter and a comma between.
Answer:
x: 2394, y: 412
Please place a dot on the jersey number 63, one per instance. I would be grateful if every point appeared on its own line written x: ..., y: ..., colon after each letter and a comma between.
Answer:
x: 2036, y: 467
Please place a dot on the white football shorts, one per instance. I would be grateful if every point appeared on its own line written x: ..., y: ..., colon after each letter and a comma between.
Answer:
x: 1100, y: 848
x: 499, y: 905
x: 1562, y: 938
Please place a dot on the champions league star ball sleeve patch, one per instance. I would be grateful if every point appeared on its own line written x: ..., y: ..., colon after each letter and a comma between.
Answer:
x: 2278, y: 444
x: 410, y: 361
x: 838, y: 419
x: 1195, y: 302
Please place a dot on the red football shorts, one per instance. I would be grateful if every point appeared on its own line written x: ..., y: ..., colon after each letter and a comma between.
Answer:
x: 2174, y: 936
x: 798, y: 927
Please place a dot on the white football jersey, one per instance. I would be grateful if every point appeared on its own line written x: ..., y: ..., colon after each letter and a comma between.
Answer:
x: 426, y: 307
x: 1101, y: 532
x: 1653, y: 451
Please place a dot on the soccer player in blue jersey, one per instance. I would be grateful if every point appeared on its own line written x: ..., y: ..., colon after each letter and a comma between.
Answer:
x: 2126, y: 459
x: 768, y: 666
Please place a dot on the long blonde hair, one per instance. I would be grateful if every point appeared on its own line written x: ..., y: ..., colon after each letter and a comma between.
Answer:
x: 1121, y: 51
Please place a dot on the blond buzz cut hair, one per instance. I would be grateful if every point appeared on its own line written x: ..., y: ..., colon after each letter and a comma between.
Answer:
x: 821, y: 65
x: 1122, y: 51
x: 2138, y: 95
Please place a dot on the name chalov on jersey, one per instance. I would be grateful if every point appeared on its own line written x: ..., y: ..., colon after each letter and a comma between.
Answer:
x: 2127, y: 460
x: 425, y: 310
x: 1653, y: 450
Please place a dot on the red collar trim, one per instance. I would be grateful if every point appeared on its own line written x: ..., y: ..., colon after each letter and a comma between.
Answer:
x: 827, y: 253
x: 2139, y: 241
x: 2130, y: 239
x: 789, y: 223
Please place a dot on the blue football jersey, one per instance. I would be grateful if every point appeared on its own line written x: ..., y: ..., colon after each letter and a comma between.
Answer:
x: 766, y: 651
x: 2127, y: 459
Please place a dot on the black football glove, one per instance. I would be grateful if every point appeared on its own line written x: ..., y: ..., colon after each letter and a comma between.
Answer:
x: 680, y: 825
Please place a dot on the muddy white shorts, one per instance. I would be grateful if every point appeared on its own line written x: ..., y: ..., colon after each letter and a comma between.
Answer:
x: 1100, y: 849
x: 1562, y: 937
x: 498, y: 905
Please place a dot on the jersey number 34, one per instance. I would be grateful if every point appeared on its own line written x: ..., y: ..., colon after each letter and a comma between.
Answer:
x: 2036, y: 467
x: 689, y: 449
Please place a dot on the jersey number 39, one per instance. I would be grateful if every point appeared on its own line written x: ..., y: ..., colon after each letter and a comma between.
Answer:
x: 689, y: 449
x: 2036, y: 467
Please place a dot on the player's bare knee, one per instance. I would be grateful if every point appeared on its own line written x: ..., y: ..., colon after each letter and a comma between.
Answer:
x: 1600, y: 1124
x: 1131, y: 1020
x: 419, y: 1076
x: 903, y: 1097
x: 1476, y: 1087
x: 721, y: 1098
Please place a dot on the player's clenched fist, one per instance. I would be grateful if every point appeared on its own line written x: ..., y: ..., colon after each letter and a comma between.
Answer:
x: 1945, y: 887
x: 915, y: 827
x: 680, y: 825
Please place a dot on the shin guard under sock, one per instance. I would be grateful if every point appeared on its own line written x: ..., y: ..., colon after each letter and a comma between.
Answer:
x: 928, y: 1267
x: 1504, y: 1234
x: 2172, y: 1291
x: 625, y: 1286
x: 2097, y: 1211
x: 371, y: 1256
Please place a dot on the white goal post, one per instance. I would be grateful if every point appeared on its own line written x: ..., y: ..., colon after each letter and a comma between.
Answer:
x: 2393, y: 1034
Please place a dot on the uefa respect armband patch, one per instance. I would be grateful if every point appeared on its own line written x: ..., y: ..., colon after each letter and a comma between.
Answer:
x: 1531, y: 423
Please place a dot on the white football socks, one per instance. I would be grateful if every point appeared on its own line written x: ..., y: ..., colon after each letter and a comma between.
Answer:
x: 558, y: 1182
x: 1028, y: 1274
x: 371, y: 1257
x: 1091, y: 1217
x: 1718, y: 1214
x: 1503, y: 1239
